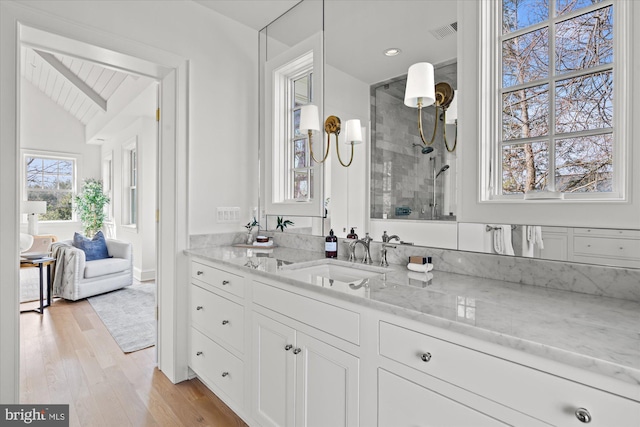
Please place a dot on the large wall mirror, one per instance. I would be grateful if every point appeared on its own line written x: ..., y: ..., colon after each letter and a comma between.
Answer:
x: 394, y: 184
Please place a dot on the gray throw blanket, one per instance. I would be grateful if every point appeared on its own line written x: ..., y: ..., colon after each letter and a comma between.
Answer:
x: 63, y: 270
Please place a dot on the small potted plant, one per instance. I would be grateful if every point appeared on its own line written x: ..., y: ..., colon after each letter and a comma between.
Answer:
x: 89, y: 204
x: 283, y: 223
x: 249, y: 228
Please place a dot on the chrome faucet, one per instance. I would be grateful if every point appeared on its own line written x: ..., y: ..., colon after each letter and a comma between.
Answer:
x: 365, y: 244
x: 386, y: 239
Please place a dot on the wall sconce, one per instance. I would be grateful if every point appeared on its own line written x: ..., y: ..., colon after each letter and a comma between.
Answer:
x: 309, y: 121
x: 421, y: 92
x: 32, y: 209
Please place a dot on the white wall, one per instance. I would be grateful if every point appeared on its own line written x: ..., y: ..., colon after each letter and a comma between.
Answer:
x: 347, y: 98
x: 143, y: 235
x: 222, y: 54
x: 45, y: 126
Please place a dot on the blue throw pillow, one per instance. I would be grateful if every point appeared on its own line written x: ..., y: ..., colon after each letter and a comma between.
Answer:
x: 95, y: 248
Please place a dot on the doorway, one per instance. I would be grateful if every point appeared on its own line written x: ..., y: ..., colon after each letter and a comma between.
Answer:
x: 171, y: 197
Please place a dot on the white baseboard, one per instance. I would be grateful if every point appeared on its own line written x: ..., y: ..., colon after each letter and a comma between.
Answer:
x: 143, y: 276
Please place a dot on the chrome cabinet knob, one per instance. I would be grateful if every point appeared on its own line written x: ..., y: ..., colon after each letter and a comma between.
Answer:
x: 225, y: 322
x: 288, y: 347
x: 297, y: 350
x: 199, y: 307
x: 199, y: 273
x: 583, y: 415
x: 425, y: 357
x: 199, y: 353
x: 225, y: 374
x: 225, y: 282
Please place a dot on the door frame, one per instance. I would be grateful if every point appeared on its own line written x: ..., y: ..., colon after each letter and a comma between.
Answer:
x: 22, y: 25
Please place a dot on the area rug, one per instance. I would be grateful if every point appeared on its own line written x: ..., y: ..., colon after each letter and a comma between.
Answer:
x: 30, y: 284
x: 129, y: 314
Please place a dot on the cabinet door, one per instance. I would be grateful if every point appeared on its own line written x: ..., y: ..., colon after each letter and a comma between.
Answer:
x: 273, y: 376
x: 326, y: 385
x: 404, y: 403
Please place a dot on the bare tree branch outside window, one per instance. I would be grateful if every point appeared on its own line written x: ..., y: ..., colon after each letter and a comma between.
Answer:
x: 557, y: 105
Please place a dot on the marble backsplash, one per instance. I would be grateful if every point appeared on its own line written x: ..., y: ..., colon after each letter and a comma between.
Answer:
x: 614, y: 282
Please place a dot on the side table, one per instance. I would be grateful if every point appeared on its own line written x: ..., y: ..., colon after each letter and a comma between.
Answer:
x: 40, y: 263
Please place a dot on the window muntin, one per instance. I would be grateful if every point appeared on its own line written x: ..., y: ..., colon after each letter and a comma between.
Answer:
x: 563, y: 102
x: 51, y: 179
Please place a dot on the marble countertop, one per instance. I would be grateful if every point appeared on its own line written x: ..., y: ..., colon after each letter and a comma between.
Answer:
x: 595, y: 333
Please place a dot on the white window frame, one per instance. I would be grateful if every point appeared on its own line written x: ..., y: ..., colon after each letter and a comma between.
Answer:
x: 128, y: 186
x: 291, y: 138
x: 303, y: 57
x: 77, y: 162
x: 490, y: 101
x: 107, y: 184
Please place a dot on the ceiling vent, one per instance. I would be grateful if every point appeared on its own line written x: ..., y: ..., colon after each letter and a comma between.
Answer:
x: 447, y: 30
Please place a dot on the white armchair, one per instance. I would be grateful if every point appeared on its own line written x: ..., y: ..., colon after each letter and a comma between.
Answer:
x: 75, y: 278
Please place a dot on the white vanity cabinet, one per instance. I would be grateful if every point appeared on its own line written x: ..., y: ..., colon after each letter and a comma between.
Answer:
x: 298, y: 379
x: 282, y: 355
x: 537, y: 397
x: 217, y: 315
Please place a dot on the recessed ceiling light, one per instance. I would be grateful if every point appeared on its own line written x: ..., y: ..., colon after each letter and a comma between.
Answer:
x: 392, y: 51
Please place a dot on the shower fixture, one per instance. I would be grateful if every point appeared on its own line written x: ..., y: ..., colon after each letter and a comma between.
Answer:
x: 425, y: 150
x: 434, y: 202
x: 442, y: 169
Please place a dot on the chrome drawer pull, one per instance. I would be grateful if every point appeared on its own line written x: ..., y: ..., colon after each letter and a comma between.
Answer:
x: 288, y: 347
x: 225, y: 374
x: 199, y: 307
x: 199, y: 273
x: 297, y: 350
x: 425, y: 357
x: 225, y: 322
x: 583, y: 415
x: 225, y: 282
x: 199, y: 353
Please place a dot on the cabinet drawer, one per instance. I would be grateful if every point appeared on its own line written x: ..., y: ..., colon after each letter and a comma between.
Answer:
x: 543, y: 396
x: 217, y: 317
x: 403, y: 403
x: 220, y: 279
x: 216, y: 365
x: 334, y: 320
x: 629, y: 234
x: 607, y: 247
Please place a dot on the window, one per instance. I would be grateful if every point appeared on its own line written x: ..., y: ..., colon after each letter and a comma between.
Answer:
x: 130, y: 182
x: 558, y: 122
x: 107, y: 185
x: 300, y: 181
x: 52, y: 179
x: 293, y: 78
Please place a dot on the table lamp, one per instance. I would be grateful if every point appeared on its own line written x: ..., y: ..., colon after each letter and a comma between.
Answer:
x: 32, y: 208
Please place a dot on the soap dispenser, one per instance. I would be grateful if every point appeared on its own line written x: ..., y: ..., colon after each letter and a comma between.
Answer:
x: 352, y: 234
x: 331, y: 245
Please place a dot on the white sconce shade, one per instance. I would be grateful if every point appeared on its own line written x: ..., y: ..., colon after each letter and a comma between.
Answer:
x: 309, y: 117
x: 452, y: 110
x: 420, y: 85
x: 353, y: 132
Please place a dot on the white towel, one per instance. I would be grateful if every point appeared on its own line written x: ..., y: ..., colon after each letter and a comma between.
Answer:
x: 423, y: 268
x: 502, y: 240
x: 269, y: 243
x: 422, y: 277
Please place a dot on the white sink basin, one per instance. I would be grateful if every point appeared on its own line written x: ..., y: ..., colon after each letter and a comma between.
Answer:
x: 332, y: 273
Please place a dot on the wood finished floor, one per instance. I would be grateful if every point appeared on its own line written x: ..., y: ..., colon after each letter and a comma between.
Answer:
x: 68, y: 356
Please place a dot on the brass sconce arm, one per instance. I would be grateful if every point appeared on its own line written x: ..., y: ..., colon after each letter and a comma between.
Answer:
x: 326, y: 153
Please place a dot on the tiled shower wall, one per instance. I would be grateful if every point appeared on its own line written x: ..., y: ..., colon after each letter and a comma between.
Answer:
x: 401, y: 176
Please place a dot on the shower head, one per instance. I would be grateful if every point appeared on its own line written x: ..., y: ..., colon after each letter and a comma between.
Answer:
x: 425, y: 149
x: 442, y: 169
